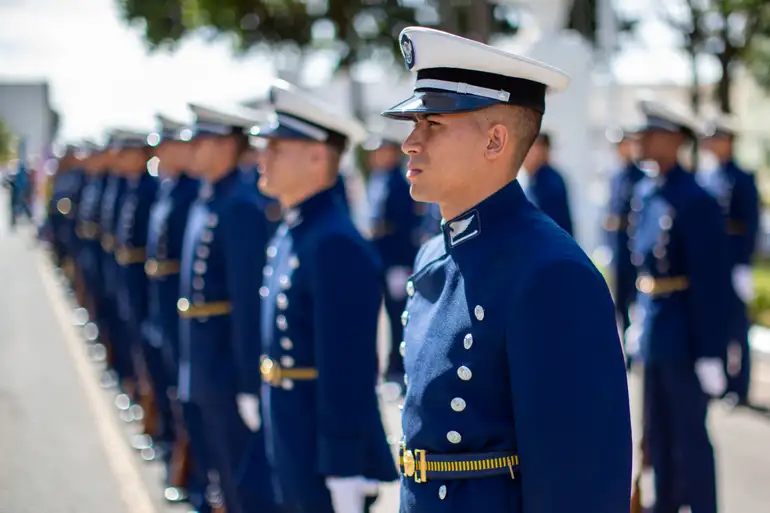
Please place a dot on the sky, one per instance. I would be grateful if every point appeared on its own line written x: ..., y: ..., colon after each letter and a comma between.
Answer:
x: 102, y: 76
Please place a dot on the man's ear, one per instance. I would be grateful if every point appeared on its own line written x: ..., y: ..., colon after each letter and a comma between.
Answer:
x: 497, y: 140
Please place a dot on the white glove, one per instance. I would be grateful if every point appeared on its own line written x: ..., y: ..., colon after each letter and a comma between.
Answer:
x: 743, y: 282
x: 248, y: 408
x: 711, y: 375
x: 396, y: 278
x: 349, y: 493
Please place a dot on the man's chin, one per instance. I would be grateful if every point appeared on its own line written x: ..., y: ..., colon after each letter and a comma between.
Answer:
x: 419, y: 193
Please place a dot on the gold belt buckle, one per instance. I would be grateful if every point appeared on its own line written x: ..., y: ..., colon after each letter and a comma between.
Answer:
x: 414, y: 464
x: 271, y: 371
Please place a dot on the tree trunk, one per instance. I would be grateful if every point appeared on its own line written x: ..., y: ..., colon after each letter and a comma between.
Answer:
x: 724, y: 88
x: 480, y: 23
x: 449, y: 19
x: 694, y: 93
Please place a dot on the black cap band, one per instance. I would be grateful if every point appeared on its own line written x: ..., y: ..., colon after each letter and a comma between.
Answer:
x: 511, y: 90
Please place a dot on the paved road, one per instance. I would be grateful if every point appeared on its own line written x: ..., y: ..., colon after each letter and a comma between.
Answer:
x: 63, y: 449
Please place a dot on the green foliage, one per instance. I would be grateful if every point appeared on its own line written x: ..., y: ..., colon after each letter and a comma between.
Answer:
x: 364, y: 26
x: 7, y: 141
x: 759, y: 310
x: 733, y: 31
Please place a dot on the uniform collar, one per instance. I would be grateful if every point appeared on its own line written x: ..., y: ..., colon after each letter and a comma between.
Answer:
x: 633, y: 169
x: 482, y: 220
x: 210, y: 190
x: 308, y: 208
x: 730, y: 165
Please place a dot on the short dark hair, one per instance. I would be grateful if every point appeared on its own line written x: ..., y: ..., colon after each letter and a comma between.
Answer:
x: 544, y: 138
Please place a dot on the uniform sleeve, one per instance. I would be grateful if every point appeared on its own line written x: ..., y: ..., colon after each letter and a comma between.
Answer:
x: 707, y: 260
x: 555, y: 203
x: 140, y: 284
x: 245, y: 238
x: 346, y: 295
x: 570, y: 393
x: 750, y: 211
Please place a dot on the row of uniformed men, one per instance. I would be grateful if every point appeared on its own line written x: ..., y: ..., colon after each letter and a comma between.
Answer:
x: 517, y: 396
x: 183, y: 280
x: 737, y: 194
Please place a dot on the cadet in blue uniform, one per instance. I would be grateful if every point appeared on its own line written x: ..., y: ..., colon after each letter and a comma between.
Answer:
x: 67, y: 206
x: 222, y: 259
x: 55, y: 216
x: 112, y: 330
x: 87, y: 229
x: 130, y: 254
x: 325, y: 437
x: 168, y: 218
x: 62, y: 207
x: 546, y: 187
x: 622, y: 186
x: 737, y: 194
x: 516, y: 397
x: 679, y: 247
x: 393, y: 228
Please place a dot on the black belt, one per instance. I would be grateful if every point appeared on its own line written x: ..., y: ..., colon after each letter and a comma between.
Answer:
x: 422, y: 466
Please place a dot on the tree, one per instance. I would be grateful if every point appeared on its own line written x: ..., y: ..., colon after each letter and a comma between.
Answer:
x: 733, y: 31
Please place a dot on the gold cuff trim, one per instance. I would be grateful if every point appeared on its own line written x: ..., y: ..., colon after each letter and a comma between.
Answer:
x: 130, y: 256
x: 87, y: 230
x: 187, y: 310
x: 273, y: 373
x: 661, y: 286
x: 160, y: 268
x: 614, y: 223
x: 108, y: 243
